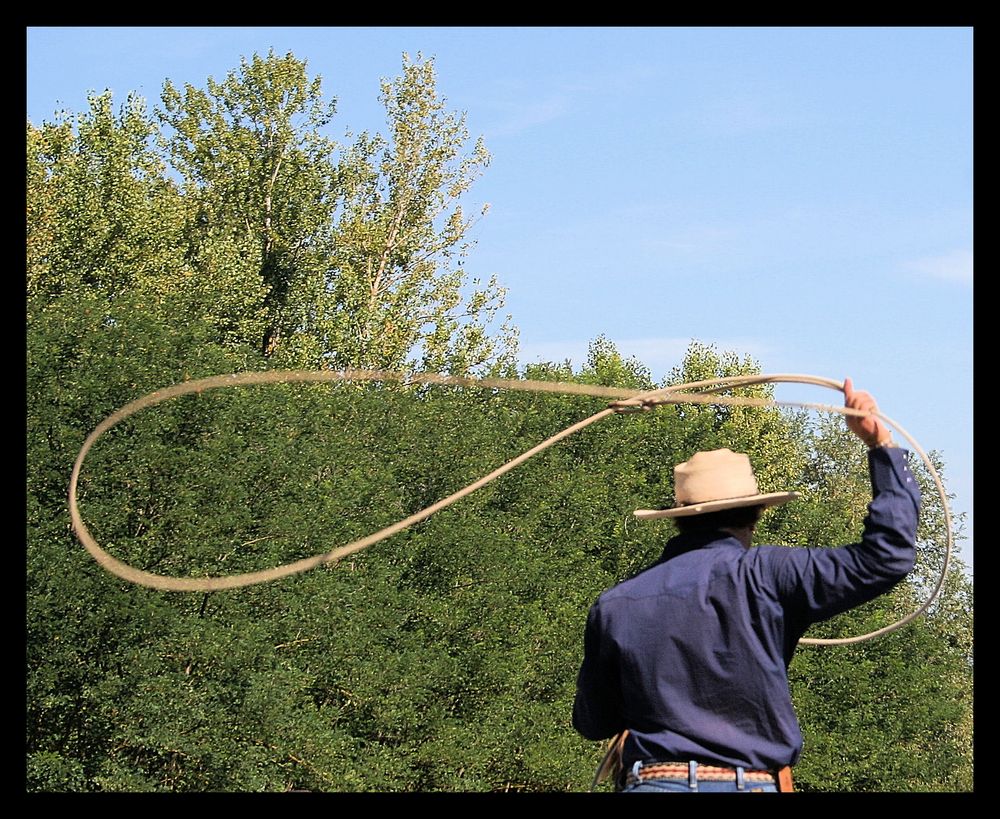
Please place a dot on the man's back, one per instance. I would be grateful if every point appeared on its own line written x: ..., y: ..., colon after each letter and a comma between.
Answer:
x: 691, y: 655
x: 694, y: 623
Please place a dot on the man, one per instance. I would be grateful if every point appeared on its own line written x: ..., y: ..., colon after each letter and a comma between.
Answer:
x: 689, y: 659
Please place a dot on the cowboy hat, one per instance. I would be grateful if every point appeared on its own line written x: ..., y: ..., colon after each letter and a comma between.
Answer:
x: 712, y: 481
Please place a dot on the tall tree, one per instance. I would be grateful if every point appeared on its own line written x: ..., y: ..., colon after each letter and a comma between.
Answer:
x: 350, y: 259
x: 260, y: 182
x: 397, y: 281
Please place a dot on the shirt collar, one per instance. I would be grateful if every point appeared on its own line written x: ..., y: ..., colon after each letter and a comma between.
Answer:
x: 707, y: 539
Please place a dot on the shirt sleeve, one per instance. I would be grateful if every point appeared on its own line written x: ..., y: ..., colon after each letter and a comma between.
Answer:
x: 597, y: 709
x: 819, y: 583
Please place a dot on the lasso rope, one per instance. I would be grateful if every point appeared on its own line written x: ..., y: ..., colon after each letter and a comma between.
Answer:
x: 700, y: 392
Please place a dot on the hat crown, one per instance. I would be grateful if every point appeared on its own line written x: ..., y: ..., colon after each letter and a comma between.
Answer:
x: 717, y: 475
x: 713, y: 481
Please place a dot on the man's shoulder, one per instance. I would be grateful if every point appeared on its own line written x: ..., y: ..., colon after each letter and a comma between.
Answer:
x: 674, y: 571
x: 641, y: 584
x: 768, y: 554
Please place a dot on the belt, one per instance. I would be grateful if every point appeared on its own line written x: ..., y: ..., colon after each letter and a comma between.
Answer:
x: 694, y: 771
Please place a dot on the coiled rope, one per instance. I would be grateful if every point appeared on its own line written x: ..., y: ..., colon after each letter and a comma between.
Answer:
x: 695, y: 392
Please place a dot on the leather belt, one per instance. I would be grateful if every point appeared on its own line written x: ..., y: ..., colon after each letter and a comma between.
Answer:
x: 695, y: 771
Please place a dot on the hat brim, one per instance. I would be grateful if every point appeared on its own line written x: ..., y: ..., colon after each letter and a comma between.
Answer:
x: 770, y: 499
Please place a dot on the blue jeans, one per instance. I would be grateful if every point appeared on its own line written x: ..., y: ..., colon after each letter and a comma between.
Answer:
x: 691, y: 784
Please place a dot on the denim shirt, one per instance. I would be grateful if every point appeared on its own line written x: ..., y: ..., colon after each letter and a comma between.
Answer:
x: 691, y: 655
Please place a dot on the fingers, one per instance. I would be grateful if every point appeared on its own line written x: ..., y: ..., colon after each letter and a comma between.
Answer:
x: 859, y: 400
x: 869, y: 429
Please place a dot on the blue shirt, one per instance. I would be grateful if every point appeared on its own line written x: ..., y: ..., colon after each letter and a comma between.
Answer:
x: 691, y: 655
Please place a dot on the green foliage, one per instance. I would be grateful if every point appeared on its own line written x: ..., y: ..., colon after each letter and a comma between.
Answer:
x: 905, y: 699
x: 231, y: 204
x: 443, y: 659
x: 100, y: 212
x: 401, y: 241
x: 227, y: 233
x: 260, y: 184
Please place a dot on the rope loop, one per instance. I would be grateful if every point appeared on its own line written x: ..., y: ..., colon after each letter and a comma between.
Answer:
x: 627, y: 401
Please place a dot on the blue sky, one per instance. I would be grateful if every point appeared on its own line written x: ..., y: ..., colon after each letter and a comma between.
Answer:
x: 801, y: 195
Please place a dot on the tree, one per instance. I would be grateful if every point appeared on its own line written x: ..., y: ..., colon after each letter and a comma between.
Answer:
x: 444, y: 658
x: 86, y: 357
x: 260, y: 182
x: 441, y: 659
x: 101, y: 216
x: 349, y: 261
x: 887, y: 696
x: 397, y: 283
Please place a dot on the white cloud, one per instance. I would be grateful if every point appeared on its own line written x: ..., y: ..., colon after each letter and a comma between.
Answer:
x: 513, y: 119
x: 568, y: 94
x: 696, y: 238
x: 955, y: 266
x: 735, y: 114
x: 628, y: 79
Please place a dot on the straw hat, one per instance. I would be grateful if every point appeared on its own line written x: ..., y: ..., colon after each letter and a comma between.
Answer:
x: 712, y: 481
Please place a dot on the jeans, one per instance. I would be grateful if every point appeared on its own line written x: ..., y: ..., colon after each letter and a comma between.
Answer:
x: 691, y: 784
